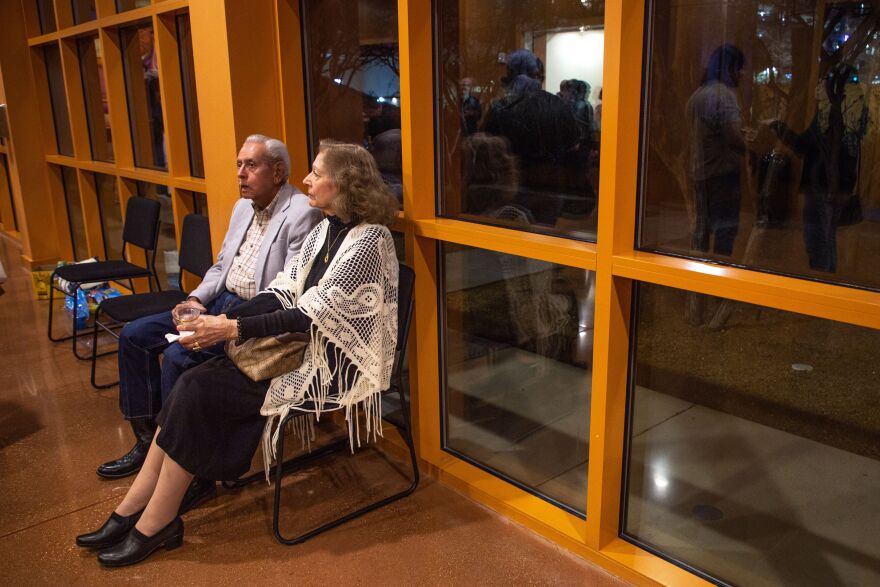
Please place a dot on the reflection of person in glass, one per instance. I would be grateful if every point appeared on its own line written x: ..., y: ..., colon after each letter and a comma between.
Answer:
x: 471, y: 110
x: 541, y: 319
x: 542, y: 133
x: 154, y: 103
x: 718, y: 148
x: 492, y: 179
x: 831, y: 149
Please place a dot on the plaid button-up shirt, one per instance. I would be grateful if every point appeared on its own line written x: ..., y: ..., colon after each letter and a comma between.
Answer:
x: 240, y: 279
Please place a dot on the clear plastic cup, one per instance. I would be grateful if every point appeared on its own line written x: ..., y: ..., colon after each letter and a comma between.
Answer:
x: 184, y: 314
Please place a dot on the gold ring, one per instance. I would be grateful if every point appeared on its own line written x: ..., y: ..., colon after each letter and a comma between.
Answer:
x: 197, y: 347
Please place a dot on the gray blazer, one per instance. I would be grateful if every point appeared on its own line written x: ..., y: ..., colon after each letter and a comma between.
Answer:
x: 292, y: 219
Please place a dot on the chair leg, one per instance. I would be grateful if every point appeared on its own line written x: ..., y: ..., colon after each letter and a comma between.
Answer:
x: 52, y: 311
x: 75, y: 334
x: 276, y: 513
x: 95, y: 354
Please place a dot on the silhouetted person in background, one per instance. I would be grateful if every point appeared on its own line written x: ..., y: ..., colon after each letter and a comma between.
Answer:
x: 471, y: 109
x: 718, y: 149
x: 386, y: 150
x: 154, y: 102
x: 583, y: 113
x: 542, y: 134
x: 831, y: 148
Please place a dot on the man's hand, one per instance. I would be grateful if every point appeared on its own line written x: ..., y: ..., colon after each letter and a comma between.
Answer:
x: 208, y: 331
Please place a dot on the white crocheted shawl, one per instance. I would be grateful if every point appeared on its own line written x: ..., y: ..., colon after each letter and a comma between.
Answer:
x: 353, y: 306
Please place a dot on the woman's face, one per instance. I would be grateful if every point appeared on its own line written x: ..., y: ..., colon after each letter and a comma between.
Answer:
x: 321, y: 190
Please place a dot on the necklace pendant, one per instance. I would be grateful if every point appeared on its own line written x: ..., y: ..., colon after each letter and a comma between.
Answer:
x: 326, y: 257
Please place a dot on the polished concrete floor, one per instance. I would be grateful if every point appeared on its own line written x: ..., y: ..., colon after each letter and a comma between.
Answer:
x: 749, y: 503
x: 54, y: 430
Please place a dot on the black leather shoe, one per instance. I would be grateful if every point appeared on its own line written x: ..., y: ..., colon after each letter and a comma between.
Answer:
x: 128, y: 464
x: 114, y: 530
x: 132, y: 461
x: 198, y: 492
x: 136, y: 547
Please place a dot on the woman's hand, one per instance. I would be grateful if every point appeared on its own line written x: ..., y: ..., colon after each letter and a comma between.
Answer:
x: 207, y: 331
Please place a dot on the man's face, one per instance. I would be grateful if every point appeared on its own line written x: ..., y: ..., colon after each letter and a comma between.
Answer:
x: 258, y: 180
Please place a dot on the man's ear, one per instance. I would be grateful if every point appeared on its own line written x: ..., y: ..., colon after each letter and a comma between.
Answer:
x: 278, y: 172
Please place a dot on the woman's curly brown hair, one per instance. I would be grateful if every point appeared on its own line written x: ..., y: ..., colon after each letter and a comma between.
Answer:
x: 362, y: 195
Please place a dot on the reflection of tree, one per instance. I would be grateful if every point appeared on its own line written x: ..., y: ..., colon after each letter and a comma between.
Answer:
x: 335, y: 52
x: 382, y: 55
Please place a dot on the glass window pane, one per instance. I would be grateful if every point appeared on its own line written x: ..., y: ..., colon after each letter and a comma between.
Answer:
x: 63, y: 137
x: 46, y: 12
x: 123, y: 5
x: 74, y: 214
x: 166, y: 251
x: 199, y: 202
x: 91, y: 64
x: 190, y: 102
x: 517, y: 346
x: 111, y: 215
x: 353, y: 78
x: 83, y: 10
x: 761, y: 137
x: 754, y: 442
x: 8, y: 214
x: 519, y: 102
x: 142, y: 90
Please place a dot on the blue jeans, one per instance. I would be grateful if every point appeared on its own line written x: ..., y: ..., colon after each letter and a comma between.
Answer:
x: 143, y: 385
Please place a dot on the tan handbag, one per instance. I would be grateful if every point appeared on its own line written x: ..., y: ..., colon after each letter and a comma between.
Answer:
x: 268, y: 356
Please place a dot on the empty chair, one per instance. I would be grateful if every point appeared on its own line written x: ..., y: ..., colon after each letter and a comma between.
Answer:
x: 195, y: 258
x: 141, y: 229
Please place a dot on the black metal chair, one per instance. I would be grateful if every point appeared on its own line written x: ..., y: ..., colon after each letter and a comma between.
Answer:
x: 141, y: 229
x: 404, y: 316
x: 195, y: 257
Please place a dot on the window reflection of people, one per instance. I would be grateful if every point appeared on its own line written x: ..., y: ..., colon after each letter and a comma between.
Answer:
x: 541, y: 319
x: 542, y: 134
x: 583, y: 112
x: 341, y: 291
x: 717, y: 150
x: 831, y: 148
x: 492, y: 179
x: 471, y: 109
x: 386, y: 150
x: 154, y: 103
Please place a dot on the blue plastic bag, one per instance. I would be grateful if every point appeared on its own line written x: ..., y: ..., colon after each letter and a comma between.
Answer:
x: 80, y: 307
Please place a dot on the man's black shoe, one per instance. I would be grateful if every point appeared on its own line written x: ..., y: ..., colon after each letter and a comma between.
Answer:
x: 126, y: 465
x: 199, y: 491
x: 132, y: 461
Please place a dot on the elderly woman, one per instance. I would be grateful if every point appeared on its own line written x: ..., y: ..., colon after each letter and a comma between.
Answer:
x: 342, y: 291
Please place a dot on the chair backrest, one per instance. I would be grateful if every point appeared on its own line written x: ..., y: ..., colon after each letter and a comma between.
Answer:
x: 406, y: 282
x: 195, y: 245
x: 141, y: 227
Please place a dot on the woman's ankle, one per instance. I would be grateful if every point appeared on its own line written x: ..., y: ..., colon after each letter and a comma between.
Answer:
x: 151, y: 525
x: 126, y: 509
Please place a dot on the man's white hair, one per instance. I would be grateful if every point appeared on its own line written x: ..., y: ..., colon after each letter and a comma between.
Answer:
x: 275, y: 151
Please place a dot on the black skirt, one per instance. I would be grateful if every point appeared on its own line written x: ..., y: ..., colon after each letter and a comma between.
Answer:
x: 211, y: 423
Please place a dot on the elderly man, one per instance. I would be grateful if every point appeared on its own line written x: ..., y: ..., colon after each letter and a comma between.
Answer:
x: 267, y: 228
